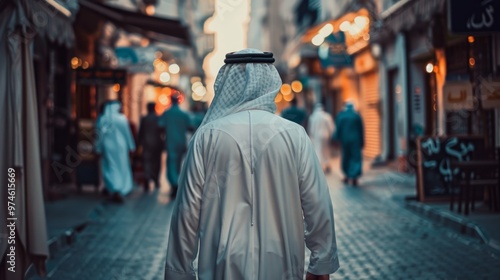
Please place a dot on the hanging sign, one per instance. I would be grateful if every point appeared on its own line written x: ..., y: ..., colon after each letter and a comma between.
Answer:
x: 94, y: 76
x: 458, y: 96
x: 333, y: 52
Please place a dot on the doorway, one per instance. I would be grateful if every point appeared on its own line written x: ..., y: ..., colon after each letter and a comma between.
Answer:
x: 391, y: 136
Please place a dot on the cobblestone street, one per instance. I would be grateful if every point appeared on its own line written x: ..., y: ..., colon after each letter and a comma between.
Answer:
x: 377, y: 239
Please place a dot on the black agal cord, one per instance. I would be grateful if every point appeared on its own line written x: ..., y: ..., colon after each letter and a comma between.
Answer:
x: 232, y: 58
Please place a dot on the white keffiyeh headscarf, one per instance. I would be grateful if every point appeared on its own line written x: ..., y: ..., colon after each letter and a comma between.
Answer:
x: 244, y: 86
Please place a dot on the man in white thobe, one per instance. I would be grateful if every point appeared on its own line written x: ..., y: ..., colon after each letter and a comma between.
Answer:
x: 321, y: 128
x: 114, y: 142
x: 251, y: 189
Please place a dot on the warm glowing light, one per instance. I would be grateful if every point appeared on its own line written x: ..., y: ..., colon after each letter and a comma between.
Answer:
x: 472, y: 61
x: 74, y: 62
x: 196, y: 85
x: 344, y: 26
x: 201, y: 90
x: 165, y: 77
x: 85, y: 65
x: 286, y: 89
x: 158, y: 54
x: 294, y: 60
x: 164, y: 100
x: 144, y: 42
x: 361, y: 21
x: 161, y: 66
x: 471, y: 39
x: 174, y: 68
x: 196, y: 97
x: 326, y: 30
x: 116, y: 87
x: 167, y: 91
x: 278, y: 98
x: 157, y: 61
x: 288, y: 97
x: 150, y: 10
x: 318, y: 40
x: 366, y: 37
x: 354, y: 29
x: 429, y: 67
x: 296, y: 86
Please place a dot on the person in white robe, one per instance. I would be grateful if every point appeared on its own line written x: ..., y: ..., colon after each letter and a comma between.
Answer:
x: 321, y: 128
x: 114, y: 142
x: 251, y: 189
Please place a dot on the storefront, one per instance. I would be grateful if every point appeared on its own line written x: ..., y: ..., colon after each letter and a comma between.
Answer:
x: 348, y: 68
x: 98, y: 73
x: 52, y: 52
x: 411, y: 40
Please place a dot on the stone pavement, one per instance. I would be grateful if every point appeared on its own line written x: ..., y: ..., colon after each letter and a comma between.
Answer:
x: 378, y: 238
x: 387, y: 183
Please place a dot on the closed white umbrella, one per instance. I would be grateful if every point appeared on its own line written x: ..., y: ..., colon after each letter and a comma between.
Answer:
x: 19, y: 145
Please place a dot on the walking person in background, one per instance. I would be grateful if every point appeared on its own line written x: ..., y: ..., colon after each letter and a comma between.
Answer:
x: 350, y: 135
x: 321, y: 128
x: 251, y: 189
x: 198, y: 112
x: 114, y: 142
x: 150, y: 141
x: 295, y: 114
x: 176, y: 123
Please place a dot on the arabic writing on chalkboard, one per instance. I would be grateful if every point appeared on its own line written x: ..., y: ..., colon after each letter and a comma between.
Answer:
x: 436, y: 154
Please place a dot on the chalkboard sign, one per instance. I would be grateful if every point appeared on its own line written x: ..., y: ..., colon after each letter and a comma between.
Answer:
x: 434, y: 156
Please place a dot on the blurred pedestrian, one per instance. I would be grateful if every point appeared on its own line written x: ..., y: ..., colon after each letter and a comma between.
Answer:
x: 151, y: 143
x: 198, y: 113
x: 176, y: 123
x: 114, y: 142
x: 251, y: 189
x: 321, y: 128
x: 350, y: 135
x: 295, y: 114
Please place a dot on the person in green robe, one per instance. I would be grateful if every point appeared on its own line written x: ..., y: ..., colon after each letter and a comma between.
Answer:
x: 350, y: 134
x: 176, y: 123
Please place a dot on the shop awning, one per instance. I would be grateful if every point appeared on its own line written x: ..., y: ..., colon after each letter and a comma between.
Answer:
x: 405, y: 15
x: 156, y: 28
x: 52, y: 19
x: 301, y: 43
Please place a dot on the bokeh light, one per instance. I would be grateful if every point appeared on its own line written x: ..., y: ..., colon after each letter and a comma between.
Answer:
x: 296, y: 86
x: 165, y: 77
x: 174, y: 68
x: 286, y: 89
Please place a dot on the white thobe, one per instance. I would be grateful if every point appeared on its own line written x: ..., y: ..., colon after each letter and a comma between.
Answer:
x: 251, y: 191
x: 114, y: 142
x: 321, y: 128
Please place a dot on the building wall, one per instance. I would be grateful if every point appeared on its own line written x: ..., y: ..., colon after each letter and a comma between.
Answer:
x: 420, y: 53
x: 258, y: 31
x: 167, y: 8
x: 271, y: 27
x: 394, y: 63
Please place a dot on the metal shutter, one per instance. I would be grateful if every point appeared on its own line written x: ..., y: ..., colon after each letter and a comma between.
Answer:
x: 369, y: 110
